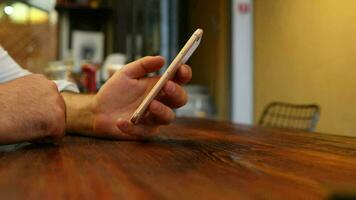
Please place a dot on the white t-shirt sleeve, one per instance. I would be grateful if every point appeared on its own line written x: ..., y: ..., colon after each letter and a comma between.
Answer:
x: 10, y: 70
x: 66, y: 86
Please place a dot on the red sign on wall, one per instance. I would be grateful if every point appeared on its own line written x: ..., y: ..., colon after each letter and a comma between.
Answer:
x: 243, y: 8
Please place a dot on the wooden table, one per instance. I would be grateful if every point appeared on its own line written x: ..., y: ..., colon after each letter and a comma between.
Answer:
x: 192, y: 159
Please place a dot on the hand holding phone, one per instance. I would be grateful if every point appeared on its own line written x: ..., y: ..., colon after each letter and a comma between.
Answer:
x: 178, y: 61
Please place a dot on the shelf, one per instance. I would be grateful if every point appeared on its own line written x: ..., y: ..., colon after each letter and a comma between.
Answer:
x: 83, y: 7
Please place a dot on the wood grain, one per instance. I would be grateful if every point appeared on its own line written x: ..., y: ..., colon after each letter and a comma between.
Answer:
x: 192, y: 159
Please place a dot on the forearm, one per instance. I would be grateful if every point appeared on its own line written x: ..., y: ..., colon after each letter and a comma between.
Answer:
x: 28, y: 114
x: 19, y: 128
x: 79, y: 117
x: 13, y: 128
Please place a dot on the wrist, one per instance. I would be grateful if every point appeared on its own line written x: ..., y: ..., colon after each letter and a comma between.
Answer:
x: 79, y: 113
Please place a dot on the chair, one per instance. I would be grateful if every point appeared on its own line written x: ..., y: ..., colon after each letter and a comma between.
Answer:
x: 290, y: 116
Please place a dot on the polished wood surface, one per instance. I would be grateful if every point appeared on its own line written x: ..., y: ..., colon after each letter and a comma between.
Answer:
x: 192, y: 159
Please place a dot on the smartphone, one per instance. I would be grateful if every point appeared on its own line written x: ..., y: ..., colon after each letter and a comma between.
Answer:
x: 178, y: 61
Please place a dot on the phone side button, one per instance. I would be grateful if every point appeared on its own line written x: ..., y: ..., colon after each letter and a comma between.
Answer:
x: 134, y: 119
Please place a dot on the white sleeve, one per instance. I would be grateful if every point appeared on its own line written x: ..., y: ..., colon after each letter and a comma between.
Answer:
x: 10, y: 70
x: 66, y: 86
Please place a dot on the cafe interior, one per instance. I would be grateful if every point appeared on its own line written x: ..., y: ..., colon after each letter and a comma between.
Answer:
x: 283, y: 65
x: 294, y: 58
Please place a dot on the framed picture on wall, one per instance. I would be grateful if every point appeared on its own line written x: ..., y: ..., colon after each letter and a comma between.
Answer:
x: 87, y: 46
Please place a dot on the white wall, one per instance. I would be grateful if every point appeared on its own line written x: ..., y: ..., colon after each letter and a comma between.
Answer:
x: 242, y: 63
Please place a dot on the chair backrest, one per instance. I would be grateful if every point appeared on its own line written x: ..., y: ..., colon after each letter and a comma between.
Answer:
x: 292, y: 116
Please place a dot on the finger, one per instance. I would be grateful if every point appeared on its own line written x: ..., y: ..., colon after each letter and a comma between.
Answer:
x: 183, y: 75
x: 136, y: 131
x: 143, y: 66
x: 160, y: 113
x: 173, y: 95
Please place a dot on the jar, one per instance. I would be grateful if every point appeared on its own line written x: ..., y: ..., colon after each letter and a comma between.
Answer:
x: 200, y: 103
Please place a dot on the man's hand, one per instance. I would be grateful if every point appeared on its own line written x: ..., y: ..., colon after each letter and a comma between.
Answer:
x: 31, y: 109
x: 112, y: 107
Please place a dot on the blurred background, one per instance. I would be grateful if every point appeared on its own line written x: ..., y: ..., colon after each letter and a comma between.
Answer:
x: 253, y: 52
